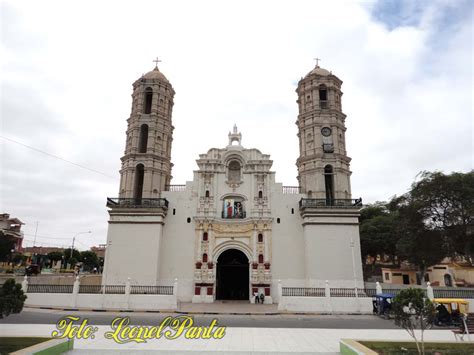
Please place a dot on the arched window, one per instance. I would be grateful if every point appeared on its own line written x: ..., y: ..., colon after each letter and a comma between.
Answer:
x: 260, y: 259
x: 207, y: 193
x: 143, y: 139
x: 310, y: 194
x: 205, y: 236
x: 260, y: 238
x: 148, y: 100
x: 204, y: 258
x: 260, y: 194
x: 234, y: 171
x: 138, y: 186
x: 329, y: 184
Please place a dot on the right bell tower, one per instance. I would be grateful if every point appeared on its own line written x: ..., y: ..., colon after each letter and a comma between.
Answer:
x: 323, y: 164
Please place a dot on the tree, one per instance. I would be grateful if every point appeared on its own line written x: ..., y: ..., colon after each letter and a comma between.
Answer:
x: 6, y: 247
x: 412, y: 310
x: 377, y: 231
x: 89, y: 258
x: 75, y: 256
x: 417, y: 244
x: 55, y: 256
x: 12, y: 298
x: 446, y: 203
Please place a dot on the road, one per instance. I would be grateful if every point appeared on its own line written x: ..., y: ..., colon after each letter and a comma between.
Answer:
x: 40, y: 316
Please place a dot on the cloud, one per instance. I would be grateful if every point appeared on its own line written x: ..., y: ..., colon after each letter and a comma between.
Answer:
x: 406, y: 68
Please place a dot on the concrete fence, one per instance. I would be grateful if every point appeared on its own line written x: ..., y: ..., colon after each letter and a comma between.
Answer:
x: 100, y: 297
x: 353, y: 300
x: 325, y: 300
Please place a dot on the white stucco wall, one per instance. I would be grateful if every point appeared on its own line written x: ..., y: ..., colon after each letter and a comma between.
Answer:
x: 100, y: 301
x: 333, y: 305
x: 133, y: 249
x: 329, y: 254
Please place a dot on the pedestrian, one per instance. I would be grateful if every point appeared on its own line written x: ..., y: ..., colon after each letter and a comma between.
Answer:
x: 262, y: 298
x: 257, y: 299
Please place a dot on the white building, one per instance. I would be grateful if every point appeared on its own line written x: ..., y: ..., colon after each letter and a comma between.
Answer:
x: 234, y: 230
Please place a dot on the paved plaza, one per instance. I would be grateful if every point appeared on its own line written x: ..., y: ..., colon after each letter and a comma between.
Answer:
x: 245, y: 334
x: 236, y: 341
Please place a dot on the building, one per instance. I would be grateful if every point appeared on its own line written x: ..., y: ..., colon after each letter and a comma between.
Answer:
x: 99, y: 250
x: 234, y: 230
x: 447, y: 273
x: 11, y: 230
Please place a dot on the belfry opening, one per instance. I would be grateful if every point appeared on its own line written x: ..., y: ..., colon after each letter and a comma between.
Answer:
x: 232, y: 276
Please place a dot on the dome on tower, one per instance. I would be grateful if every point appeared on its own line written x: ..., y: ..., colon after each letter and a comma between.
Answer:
x: 155, y: 74
x: 319, y: 71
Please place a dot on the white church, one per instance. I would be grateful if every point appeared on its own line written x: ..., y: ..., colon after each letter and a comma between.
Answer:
x: 234, y: 231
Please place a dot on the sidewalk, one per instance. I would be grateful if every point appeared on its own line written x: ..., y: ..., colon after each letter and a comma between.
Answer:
x: 228, y: 307
x: 218, y: 307
x: 236, y: 340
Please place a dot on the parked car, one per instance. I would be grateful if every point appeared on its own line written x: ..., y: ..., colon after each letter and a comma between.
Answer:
x: 33, y: 269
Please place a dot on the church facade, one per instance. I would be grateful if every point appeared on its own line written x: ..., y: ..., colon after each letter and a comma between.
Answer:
x: 234, y: 231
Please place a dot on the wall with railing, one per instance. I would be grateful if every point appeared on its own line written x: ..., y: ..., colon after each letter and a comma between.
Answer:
x: 354, y: 300
x: 120, y: 297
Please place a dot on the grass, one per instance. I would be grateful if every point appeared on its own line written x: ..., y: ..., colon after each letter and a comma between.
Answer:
x: 11, y: 344
x: 409, y: 348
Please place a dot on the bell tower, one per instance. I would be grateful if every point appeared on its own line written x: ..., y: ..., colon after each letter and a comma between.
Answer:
x: 323, y: 164
x: 146, y: 164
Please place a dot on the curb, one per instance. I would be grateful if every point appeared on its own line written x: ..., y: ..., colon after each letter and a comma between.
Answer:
x: 171, y: 311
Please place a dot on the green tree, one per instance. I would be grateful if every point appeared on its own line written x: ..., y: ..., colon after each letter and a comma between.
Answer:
x: 417, y: 244
x: 412, y: 311
x: 55, y: 256
x: 377, y: 231
x: 446, y: 204
x: 6, y: 247
x: 76, y: 255
x: 89, y: 258
x: 12, y: 298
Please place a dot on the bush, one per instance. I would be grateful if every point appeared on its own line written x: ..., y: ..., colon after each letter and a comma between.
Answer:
x: 12, y: 298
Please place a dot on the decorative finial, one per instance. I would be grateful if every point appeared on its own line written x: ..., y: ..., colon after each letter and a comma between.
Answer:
x: 156, y: 61
x: 317, y: 61
x: 235, y: 128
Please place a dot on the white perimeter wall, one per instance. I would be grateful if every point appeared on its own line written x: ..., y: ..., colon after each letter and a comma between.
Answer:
x: 100, y: 301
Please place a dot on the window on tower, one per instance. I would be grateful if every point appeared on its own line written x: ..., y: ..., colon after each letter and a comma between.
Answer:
x: 143, y: 139
x: 148, y: 100
x: 329, y: 184
x: 138, y: 184
x: 323, y: 97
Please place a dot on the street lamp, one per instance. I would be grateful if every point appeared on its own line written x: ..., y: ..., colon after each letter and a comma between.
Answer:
x: 74, y: 238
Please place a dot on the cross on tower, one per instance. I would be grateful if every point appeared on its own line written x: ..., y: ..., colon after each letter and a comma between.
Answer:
x: 317, y: 61
x: 156, y: 61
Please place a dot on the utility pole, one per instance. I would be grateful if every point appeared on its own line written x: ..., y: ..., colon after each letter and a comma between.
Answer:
x: 36, y: 231
x: 74, y: 238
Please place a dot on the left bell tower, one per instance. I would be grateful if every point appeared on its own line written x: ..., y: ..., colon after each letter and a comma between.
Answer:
x: 137, y: 216
x: 146, y: 164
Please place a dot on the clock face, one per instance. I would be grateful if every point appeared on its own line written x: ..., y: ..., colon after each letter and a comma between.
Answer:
x: 326, y: 131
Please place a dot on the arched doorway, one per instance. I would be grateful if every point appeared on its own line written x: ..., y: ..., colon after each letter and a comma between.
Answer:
x: 232, y: 276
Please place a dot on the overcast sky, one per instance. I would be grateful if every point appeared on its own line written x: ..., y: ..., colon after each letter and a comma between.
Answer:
x: 68, y: 69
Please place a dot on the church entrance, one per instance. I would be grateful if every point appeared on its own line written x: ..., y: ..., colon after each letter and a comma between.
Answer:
x: 232, y: 276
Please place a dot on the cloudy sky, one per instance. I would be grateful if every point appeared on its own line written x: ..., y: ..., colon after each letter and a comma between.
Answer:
x: 67, y: 68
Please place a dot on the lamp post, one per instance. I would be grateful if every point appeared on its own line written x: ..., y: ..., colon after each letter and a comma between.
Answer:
x: 74, y: 238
